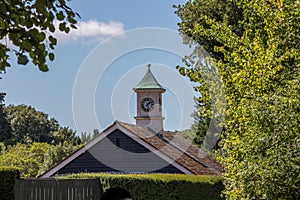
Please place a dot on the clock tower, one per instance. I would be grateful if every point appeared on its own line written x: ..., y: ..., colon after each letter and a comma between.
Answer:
x: 149, y: 102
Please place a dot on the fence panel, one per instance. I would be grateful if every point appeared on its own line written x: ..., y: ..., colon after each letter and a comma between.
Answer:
x: 58, y: 189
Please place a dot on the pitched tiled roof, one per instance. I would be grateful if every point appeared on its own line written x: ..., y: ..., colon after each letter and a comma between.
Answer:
x: 179, y: 149
x: 173, y: 146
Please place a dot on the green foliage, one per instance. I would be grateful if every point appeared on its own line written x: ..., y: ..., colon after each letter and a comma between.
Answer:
x: 256, y: 48
x: 28, y: 158
x: 162, y: 186
x: 29, y: 26
x: 29, y: 125
x: 2, y: 147
x: 5, y: 128
x: 194, y: 16
x: 199, y: 133
x: 30, y: 144
x: 56, y: 154
x: 196, y: 133
x: 8, y: 176
x: 86, y: 137
x: 34, y: 159
x: 210, y: 105
x: 65, y: 134
x: 188, y: 134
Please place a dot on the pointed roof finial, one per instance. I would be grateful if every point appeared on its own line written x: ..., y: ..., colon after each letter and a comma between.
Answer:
x: 149, y: 82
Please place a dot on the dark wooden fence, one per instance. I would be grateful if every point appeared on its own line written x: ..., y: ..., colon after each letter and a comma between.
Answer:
x: 57, y: 189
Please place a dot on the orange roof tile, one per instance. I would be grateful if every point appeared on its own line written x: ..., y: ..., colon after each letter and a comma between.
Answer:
x: 179, y: 149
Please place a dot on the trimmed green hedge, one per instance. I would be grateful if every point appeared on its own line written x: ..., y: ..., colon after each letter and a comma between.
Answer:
x: 8, y: 176
x: 162, y: 186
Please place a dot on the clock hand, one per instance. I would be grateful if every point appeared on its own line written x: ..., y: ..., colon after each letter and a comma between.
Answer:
x: 150, y: 105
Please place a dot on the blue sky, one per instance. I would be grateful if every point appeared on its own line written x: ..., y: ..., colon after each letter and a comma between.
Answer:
x: 101, y: 21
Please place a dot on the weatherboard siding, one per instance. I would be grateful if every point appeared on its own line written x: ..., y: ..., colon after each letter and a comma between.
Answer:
x: 129, y: 157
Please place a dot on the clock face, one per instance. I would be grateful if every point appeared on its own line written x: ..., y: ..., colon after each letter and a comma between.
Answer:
x: 147, y: 104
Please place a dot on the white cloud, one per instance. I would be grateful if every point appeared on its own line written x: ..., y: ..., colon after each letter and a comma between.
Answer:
x: 91, y: 30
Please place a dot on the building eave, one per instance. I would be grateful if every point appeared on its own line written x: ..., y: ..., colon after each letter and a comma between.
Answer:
x: 116, y: 125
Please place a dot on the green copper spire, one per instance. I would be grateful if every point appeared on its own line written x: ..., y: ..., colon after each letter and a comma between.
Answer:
x: 149, y: 82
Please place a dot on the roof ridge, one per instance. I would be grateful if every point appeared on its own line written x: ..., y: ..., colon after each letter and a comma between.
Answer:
x: 166, y: 140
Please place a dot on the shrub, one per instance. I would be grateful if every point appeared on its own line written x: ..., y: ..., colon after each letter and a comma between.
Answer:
x: 8, y: 176
x: 162, y: 186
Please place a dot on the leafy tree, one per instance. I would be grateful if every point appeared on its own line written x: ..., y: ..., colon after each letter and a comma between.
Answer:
x: 29, y: 26
x: 65, y: 134
x: 29, y: 158
x: 29, y: 125
x: 36, y: 158
x: 56, y: 154
x: 194, y: 15
x: 5, y: 128
x: 256, y: 49
x: 2, y: 147
x: 95, y: 132
x: 204, y: 136
x: 200, y: 125
x: 202, y: 131
x: 197, y: 132
x: 188, y: 134
x: 86, y: 137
